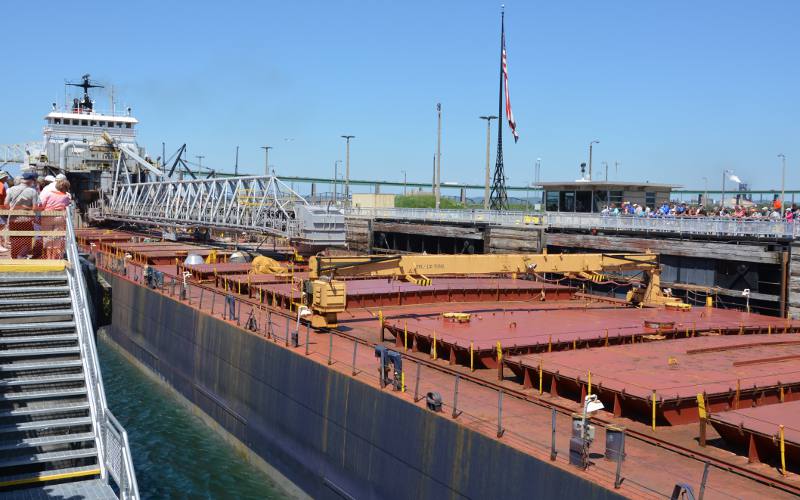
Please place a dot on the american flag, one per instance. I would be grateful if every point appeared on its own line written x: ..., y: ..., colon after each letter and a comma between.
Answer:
x: 511, y: 123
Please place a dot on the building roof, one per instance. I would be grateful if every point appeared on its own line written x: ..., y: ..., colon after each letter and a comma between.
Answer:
x: 585, y: 184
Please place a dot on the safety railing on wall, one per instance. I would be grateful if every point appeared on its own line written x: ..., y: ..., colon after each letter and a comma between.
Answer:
x: 114, y: 455
x: 650, y: 464
x: 699, y: 226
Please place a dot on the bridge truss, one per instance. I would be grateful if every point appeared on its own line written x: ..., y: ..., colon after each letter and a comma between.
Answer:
x: 260, y: 204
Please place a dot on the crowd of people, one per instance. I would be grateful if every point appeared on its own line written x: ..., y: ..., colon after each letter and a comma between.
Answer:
x: 773, y: 211
x: 32, y: 205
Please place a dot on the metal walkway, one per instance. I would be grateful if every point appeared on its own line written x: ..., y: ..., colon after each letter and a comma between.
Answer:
x: 254, y: 204
x: 56, y: 433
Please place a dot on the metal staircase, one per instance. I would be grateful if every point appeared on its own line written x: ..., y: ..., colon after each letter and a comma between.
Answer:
x: 57, y: 436
x: 46, y: 426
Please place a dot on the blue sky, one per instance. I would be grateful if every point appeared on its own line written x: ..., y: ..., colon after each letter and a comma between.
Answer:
x: 673, y: 90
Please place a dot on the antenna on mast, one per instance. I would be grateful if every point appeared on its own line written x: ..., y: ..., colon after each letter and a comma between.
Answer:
x: 85, y: 84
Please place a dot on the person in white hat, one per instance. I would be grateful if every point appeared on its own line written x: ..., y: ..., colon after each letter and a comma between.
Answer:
x: 51, y: 186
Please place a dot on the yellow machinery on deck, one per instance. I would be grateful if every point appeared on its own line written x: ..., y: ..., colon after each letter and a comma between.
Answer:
x: 327, y: 296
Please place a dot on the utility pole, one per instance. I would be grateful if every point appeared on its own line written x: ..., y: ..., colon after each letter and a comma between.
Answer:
x: 266, y: 159
x: 200, y: 161
x: 488, y: 152
x: 605, y: 164
x: 405, y: 182
x: 347, y: 168
x: 783, y: 183
x: 590, y: 156
x: 236, y: 164
x: 438, y: 188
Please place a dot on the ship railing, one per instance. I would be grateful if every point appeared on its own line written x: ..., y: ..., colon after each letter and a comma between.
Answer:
x: 113, y: 450
x: 701, y: 226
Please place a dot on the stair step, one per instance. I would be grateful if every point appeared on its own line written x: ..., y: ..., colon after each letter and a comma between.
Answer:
x: 49, y: 325
x: 54, y: 456
x: 38, y: 312
x: 47, y: 394
x: 44, y: 410
x: 49, y: 475
x: 45, y: 424
x: 39, y: 338
x: 37, y: 289
x: 47, y: 379
x: 44, y: 365
x: 44, y: 301
x: 46, y: 441
x: 50, y: 351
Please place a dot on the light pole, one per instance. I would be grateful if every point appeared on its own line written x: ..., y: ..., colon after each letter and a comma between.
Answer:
x: 783, y: 183
x: 725, y: 172
x: 605, y: 164
x: 200, y: 161
x: 488, y: 151
x: 405, y: 180
x: 705, y: 192
x: 335, y: 178
x: 537, y: 174
x: 347, y: 168
x: 438, y: 187
x: 266, y: 159
x: 590, y: 156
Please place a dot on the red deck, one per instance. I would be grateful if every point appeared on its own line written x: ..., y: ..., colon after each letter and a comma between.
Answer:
x: 553, y: 326
x: 732, y: 371
x: 755, y: 431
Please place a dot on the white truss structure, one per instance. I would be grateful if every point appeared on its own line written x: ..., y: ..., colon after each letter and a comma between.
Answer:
x: 254, y: 204
x: 18, y: 153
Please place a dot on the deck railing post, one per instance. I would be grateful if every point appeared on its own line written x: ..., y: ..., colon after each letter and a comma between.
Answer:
x: 703, y: 482
x: 355, y: 348
x: 330, y: 348
x: 553, y: 437
x: 416, y: 383
x: 307, y: 335
x: 500, y: 430
x: 456, y: 413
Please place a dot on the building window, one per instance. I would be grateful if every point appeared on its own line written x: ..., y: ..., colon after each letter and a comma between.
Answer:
x: 615, y: 198
x: 650, y: 199
x: 127, y: 125
x: 551, y: 201
x: 85, y: 122
x: 94, y: 123
x: 566, y: 201
x: 57, y: 121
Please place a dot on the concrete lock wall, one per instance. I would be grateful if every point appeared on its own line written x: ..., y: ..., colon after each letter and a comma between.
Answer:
x: 332, y: 435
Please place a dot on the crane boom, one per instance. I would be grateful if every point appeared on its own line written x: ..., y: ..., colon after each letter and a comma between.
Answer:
x: 326, y: 295
x: 410, y: 266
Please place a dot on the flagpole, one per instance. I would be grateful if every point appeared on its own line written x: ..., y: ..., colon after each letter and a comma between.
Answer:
x: 499, y: 198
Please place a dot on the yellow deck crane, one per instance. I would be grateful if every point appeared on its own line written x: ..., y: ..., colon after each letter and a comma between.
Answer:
x: 326, y: 295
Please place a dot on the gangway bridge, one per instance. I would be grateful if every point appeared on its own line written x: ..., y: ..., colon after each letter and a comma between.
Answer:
x: 255, y: 204
x: 58, y: 438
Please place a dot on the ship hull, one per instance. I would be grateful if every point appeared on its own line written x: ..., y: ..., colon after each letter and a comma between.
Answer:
x: 329, y: 434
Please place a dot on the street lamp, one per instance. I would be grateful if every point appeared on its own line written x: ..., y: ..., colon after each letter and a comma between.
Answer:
x: 705, y: 192
x: 347, y: 168
x: 335, y: 178
x: 590, y: 156
x: 266, y: 159
x: 783, y: 183
x: 404, y: 182
x: 488, y: 152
